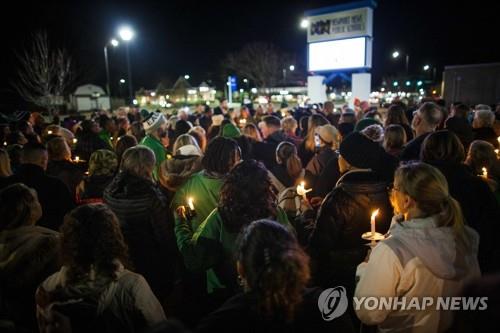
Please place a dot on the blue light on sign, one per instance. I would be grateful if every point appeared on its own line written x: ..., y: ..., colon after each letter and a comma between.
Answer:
x: 234, y: 83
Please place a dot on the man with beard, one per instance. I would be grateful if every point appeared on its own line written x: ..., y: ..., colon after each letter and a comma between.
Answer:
x: 155, y: 126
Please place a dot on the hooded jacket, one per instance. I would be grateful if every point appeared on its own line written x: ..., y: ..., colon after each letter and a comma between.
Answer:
x: 175, y: 171
x: 122, y: 304
x: 28, y: 255
x: 419, y: 259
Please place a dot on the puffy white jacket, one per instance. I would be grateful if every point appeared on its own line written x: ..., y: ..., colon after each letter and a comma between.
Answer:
x: 420, y: 260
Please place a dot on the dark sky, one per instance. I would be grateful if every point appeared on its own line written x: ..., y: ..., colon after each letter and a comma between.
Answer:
x: 178, y: 37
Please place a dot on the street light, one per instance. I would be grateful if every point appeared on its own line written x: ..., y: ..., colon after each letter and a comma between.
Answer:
x: 126, y: 34
x: 426, y: 67
x: 292, y: 68
x: 245, y: 80
x: 113, y: 42
x: 186, y: 77
x: 396, y: 55
x: 304, y: 23
x: 122, y: 81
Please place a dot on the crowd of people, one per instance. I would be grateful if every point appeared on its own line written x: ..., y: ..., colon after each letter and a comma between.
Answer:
x: 237, y: 219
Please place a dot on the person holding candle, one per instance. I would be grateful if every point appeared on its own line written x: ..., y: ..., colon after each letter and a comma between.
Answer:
x: 430, y: 252
x: 335, y: 245
x: 484, y: 120
x: 481, y: 154
x: 246, y: 196
x: 444, y: 151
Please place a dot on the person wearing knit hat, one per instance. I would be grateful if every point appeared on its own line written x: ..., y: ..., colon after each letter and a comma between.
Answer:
x: 155, y: 126
x: 328, y: 138
x: 230, y: 131
x: 335, y: 245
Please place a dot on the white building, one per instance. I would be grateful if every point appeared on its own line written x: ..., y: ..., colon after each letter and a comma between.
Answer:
x: 90, y: 97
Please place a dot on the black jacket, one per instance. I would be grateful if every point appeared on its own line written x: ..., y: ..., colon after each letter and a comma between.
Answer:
x: 336, y: 246
x: 239, y: 314
x: 486, y: 134
x: 89, y: 143
x: 266, y: 151
x: 53, y: 194
x: 462, y: 128
x: 315, y: 170
x: 412, y: 149
x: 66, y: 171
x: 142, y: 211
x: 480, y: 209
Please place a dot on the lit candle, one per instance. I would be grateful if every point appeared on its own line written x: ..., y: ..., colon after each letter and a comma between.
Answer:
x: 75, y: 140
x: 111, y: 138
x: 5, y: 143
x: 190, y: 204
x: 497, y: 152
x: 485, y: 173
x: 372, y: 223
x: 498, y: 139
x: 243, y: 121
x: 49, y: 132
x: 77, y: 158
x: 301, y: 190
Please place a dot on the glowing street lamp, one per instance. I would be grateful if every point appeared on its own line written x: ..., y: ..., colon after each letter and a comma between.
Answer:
x: 304, y: 23
x: 395, y: 54
x: 186, y: 77
x: 127, y: 34
x: 292, y: 68
x: 426, y: 67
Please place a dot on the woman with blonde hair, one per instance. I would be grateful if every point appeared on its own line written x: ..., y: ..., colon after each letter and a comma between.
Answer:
x: 430, y: 252
x: 251, y: 131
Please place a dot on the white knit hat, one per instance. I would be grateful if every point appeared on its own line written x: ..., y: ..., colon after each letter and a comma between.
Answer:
x: 153, y: 122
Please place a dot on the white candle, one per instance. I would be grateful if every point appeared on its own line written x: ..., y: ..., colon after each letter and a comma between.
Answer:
x: 372, y: 222
x: 77, y: 158
x: 485, y: 173
x: 190, y: 204
x: 49, y: 132
x: 75, y: 140
x: 5, y: 143
x: 243, y: 121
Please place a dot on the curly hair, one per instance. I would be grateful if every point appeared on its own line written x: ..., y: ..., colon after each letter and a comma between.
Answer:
x: 246, y: 195
x: 91, y: 239
x: 274, y: 267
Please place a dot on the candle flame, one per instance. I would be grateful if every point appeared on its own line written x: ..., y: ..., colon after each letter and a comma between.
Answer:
x: 75, y: 140
x: 190, y: 203
x: 375, y: 213
x: 485, y: 171
x: 49, y: 132
x: 302, y: 184
x: 77, y: 158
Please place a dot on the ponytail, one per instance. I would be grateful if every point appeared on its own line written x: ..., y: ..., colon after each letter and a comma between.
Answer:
x: 451, y: 216
x: 294, y: 166
x: 286, y: 152
x: 281, y: 282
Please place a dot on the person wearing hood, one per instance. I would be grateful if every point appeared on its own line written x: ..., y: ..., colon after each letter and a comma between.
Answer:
x: 429, y: 253
x: 142, y: 212
x: 328, y: 140
x: 335, y: 244
x: 233, y: 132
x: 443, y: 150
x: 155, y: 126
x: 28, y: 255
x: 94, y: 291
x: 272, y: 134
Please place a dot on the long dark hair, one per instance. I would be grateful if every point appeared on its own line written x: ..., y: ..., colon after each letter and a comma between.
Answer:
x: 286, y: 152
x: 275, y: 268
x: 17, y: 202
x: 246, y: 196
x: 91, y: 240
x: 221, y: 155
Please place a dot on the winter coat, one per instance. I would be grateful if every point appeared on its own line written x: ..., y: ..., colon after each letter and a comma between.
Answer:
x: 315, y: 170
x: 419, y: 259
x: 479, y: 207
x: 89, y: 143
x: 177, y: 170
x: 336, y: 246
x: 66, y: 171
x: 212, y: 248
x: 266, y: 151
x: 122, y: 304
x: 486, y: 134
x: 411, y: 151
x: 91, y: 189
x: 28, y: 256
x: 239, y: 314
x: 54, y: 196
x: 142, y: 211
x: 157, y: 147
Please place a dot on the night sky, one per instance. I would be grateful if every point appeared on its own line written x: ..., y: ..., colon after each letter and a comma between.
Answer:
x: 192, y: 37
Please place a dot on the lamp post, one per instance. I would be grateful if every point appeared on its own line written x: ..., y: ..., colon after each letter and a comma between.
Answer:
x: 126, y: 34
x: 113, y: 42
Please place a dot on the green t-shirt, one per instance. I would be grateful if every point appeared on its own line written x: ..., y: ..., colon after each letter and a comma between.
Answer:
x: 160, y: 152
x: 205, y: 192
x: 211, y: 244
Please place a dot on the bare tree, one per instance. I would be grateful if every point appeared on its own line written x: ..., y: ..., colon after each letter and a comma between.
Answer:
x: 262, y: 63
x: 45, y: 74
